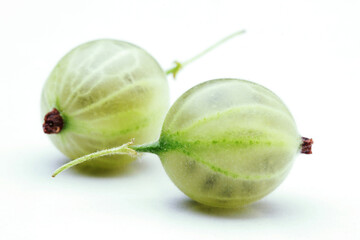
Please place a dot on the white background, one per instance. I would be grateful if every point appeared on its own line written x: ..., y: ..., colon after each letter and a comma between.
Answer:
x: 308, y: 52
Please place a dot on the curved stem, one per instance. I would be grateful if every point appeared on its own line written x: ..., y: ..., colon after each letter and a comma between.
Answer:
x: 123, y: 149
x: 179, y: 65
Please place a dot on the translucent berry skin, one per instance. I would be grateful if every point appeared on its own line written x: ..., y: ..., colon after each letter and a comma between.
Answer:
x: 228, y: 142
x: 107, y: 92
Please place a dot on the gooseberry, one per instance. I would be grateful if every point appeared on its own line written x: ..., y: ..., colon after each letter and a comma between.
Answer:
x: 224, y: 143
x: 103, y: 93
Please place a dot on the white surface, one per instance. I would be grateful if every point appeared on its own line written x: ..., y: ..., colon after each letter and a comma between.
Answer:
x: 308, y: 52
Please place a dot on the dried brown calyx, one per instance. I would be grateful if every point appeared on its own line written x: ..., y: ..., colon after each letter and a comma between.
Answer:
x: 306, y: 145
x: 53, y: 122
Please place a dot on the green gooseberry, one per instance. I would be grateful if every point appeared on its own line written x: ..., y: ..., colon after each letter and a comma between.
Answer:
x: 224, y: 143
x: 101, y: 94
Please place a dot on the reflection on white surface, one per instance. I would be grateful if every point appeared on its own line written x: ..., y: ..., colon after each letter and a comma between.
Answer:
x: 142, y: 201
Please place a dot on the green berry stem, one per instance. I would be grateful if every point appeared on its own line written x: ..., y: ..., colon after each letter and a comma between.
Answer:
x: 179, y: 65
x: 148, y: 148
x: 123, y: 149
